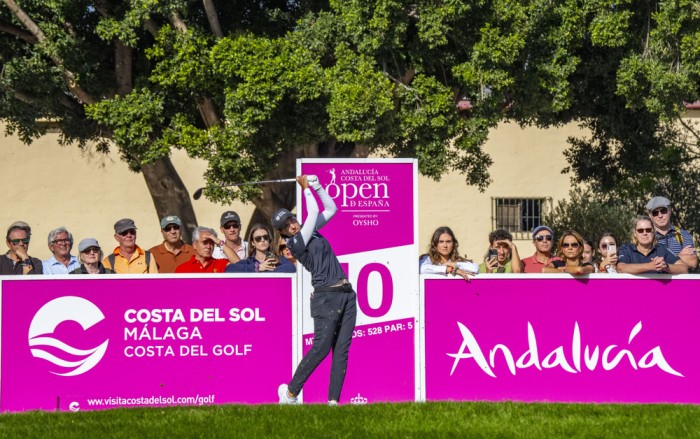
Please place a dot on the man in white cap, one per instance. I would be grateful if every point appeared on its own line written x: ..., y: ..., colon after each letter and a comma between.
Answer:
x: 677, y: 240
x: 172, y: 251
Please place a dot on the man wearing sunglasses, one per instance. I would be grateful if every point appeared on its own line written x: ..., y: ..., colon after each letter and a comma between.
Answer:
x: 172, y: 251
x: 677, y: 240
x: 543, y: 239
x: 129, y: 258
x: 231, y: 225
x: 16, y: 261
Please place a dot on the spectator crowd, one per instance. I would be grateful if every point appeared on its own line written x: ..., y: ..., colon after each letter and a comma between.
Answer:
x: 207, y: 254
x: 655, y: 246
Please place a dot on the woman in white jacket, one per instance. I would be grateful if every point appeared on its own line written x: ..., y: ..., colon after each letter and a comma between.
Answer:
x: 443, y: 256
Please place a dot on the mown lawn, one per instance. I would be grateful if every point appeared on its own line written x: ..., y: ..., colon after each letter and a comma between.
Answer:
x: 479, y: 420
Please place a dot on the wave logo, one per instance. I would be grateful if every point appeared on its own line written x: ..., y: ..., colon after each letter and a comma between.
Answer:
x: 74, y: 406
x: 45, y: 322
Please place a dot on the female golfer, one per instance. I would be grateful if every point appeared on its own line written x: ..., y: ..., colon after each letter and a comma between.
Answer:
x: 333, y: 301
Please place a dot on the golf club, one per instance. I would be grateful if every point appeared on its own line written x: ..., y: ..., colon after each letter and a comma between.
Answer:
x: 198, y: 193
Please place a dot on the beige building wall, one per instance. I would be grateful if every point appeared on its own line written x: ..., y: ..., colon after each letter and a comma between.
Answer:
x: 49, y: 186
x: 527, y: 162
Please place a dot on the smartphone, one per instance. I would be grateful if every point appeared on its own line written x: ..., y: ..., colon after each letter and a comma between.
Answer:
x: 493, y: 253
x: 612, y: 249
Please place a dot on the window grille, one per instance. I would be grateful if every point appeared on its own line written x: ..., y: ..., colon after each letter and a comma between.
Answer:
x: 518, y: 215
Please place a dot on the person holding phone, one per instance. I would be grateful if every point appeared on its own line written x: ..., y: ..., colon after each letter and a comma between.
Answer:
x: 607, y: 247
x: 501, y: 254
x: 261, y: 257
x: 333, y: 301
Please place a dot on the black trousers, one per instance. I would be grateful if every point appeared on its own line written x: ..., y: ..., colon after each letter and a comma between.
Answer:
x: 334, y: 312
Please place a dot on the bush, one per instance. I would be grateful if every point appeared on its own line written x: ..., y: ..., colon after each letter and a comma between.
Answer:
x: 591, y: 215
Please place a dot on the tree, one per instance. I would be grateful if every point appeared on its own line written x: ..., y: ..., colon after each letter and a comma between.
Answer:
x: 251, y: 86
x: 87, y: 67
x: 645, y: 64
x: 591, y: 215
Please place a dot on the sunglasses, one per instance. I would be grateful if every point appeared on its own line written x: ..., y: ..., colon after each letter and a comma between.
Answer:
x: 19, y: 241
x: 662, y: 211
x: 282, y: 247
x: 647, y: 230
x: 231, y: 225
x: 543, y: 237
x: 128, y: 232
x: 261, y: 238
x: 605, y: 246
x: 91, y: 250
x: 61, y: 241
x: 169, y: 228
x: 570, y: 244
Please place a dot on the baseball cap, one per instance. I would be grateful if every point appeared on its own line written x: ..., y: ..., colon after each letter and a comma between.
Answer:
x: 87, y: 243
x: 123, y: 225
x: 657, y: 202
x: 170, y: 219
x: 538, y: 229
x: 228, y: 217
x: 279, y: 218
x: 19, y: 225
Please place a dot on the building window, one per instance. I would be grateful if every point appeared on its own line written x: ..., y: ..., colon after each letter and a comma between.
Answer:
x: 518, y: 215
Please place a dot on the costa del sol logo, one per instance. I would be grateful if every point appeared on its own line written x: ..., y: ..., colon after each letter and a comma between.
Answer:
x: 45, y: 322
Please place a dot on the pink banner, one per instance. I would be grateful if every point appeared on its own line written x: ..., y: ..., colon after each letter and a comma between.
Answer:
x: 374, y: 236
x: 566, y: 340
x: 375, y: 203
x: 89, y: 344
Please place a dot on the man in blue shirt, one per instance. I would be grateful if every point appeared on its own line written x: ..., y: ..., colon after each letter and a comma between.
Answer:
x: 60, y: 244
x: 677, y: 240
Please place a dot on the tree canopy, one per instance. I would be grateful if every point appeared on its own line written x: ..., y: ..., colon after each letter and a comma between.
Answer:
x: 252, y: 86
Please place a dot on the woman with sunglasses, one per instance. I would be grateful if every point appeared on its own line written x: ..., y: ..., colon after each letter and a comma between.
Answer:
x: 607, y: 247
x: 90, y: 257
x: 570, y: 250
x: 283, y: 250
x: 333, y: 301
x: 443, y: 256
x: 261, y: 259
x: 644, y: 255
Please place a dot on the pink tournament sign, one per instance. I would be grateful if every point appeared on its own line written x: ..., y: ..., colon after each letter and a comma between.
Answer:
x: 374, y: 235
x: 89, y: 344
x: 601, y: 339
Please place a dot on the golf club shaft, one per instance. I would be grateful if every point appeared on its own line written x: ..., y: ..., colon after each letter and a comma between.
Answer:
x: 198, y: 193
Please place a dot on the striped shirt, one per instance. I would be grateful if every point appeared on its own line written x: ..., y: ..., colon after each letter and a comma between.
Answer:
x: 670, y: 239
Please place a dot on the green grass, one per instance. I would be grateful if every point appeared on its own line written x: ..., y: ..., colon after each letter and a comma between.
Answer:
x: 479, y: 420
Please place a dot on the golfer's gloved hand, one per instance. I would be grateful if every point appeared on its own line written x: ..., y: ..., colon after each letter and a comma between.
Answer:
x: 313, y: 182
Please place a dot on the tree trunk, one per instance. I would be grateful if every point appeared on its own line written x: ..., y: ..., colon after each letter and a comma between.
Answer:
x: 170, y: 197
x: 213, y: 18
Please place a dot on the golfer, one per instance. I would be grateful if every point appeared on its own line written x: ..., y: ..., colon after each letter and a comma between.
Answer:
x: 333, y: 301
